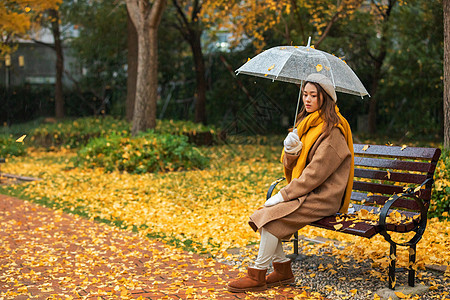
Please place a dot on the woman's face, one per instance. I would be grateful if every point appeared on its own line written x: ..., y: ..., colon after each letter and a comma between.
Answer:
x: 311, y: 98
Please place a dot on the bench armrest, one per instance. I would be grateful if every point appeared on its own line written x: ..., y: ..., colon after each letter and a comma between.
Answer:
x: 272, y: 187
x: 420, y: 229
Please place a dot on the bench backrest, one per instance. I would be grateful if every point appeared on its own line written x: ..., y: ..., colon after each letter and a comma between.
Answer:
x: 381, y: 171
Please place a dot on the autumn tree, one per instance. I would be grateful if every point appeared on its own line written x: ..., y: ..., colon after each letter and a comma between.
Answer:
x: 190, y: 23
x: 146, y: 16
x: 446, y: 5
x: 19, y: 17
x: 293, y: 20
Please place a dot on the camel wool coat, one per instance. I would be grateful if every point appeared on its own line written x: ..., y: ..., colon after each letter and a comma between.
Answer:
x: 316, y: 194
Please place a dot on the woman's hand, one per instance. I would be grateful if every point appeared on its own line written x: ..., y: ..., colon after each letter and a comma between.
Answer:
x: 292, y: 143
x: 275, y: 199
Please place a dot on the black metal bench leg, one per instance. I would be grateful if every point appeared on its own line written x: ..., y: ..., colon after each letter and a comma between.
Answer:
x: 392, y: 259
x: 295, y: 241
x: 412, y: 261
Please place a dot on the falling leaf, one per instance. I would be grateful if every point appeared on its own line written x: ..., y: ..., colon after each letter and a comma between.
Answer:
x: 319, y: 67
x: 271, y: 67
x: 20, y: 140
x: 365, y: 147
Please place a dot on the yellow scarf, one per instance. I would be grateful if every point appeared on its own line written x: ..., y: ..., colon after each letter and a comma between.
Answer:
x: 309, y: 129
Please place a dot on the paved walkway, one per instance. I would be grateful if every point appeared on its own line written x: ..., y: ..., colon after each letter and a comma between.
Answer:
x: 47, y: 254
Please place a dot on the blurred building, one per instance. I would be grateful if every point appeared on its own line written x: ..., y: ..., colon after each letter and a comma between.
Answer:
x: 34, y: 63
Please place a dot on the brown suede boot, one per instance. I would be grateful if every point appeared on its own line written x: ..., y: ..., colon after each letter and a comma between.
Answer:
x: 281, y: 275
x: 255, y: 280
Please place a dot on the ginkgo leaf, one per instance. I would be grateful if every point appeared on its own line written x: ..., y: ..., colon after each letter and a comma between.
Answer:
x: 400, y: 295
x: 365, y: 147
x: 248, y: 59
x: 271, y: 67
x: 319, y: 67
x: 403, y: 147
x: 388, y: 174
x: 20, y: 140
x: 338, y: 226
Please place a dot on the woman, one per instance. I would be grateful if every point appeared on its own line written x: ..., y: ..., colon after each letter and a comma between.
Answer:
x: 318, y: 165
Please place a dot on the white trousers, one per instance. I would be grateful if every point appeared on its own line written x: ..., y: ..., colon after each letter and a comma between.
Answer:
x: 270, y: 249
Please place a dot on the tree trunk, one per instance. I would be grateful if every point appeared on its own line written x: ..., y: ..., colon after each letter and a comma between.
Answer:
x: 199, y: 61
x: 373, y: 101
x: 59, y: 98
x: 132, y: 60
x: 146, y: 16
x: 378, y: 64
x: 446, y: 4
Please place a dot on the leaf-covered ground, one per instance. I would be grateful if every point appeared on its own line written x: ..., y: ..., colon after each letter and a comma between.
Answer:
x: 202, y: 210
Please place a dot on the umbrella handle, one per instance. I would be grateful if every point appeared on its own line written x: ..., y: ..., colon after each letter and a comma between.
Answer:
x: 298, y: 102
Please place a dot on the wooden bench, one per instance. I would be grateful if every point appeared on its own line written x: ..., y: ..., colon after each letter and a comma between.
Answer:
x: 393, y: 184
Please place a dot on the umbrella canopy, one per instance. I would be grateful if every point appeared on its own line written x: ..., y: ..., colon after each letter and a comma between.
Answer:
x: 295, y: 63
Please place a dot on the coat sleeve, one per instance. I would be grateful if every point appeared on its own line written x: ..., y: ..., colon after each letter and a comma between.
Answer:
x: 327, y: 158
x: 289, y: 160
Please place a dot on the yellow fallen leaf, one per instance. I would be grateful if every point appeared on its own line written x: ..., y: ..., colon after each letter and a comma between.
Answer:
x: 365, y: 147
x: 354, y: 291
x: 403, y: 147
x: 248, y: 59
x: 338, y: 226
x: 20, y: 140
x: 388, y: 174
x: 319, y: 67
x: 271, y: 67
x: 445, y: 214
x: 400, y: 295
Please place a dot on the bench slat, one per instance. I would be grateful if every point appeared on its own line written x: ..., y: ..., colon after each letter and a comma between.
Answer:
x: 394, y: 164
x: 395, y: 151
x: 386, y: 189
x: 380, y: 200
x: 362, y: 228
x: 391, y: 176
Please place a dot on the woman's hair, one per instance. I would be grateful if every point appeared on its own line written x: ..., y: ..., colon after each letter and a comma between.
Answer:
x: 327, y: 110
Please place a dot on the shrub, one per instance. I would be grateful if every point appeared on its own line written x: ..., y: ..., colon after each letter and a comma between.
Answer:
x: 9, y: 146
x: 197, y: 133
x: 440, y: 202
x: 149, y: 152
x: 77, y: 133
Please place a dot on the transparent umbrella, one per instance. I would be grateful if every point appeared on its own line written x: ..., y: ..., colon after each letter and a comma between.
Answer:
x: 294, y: 64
